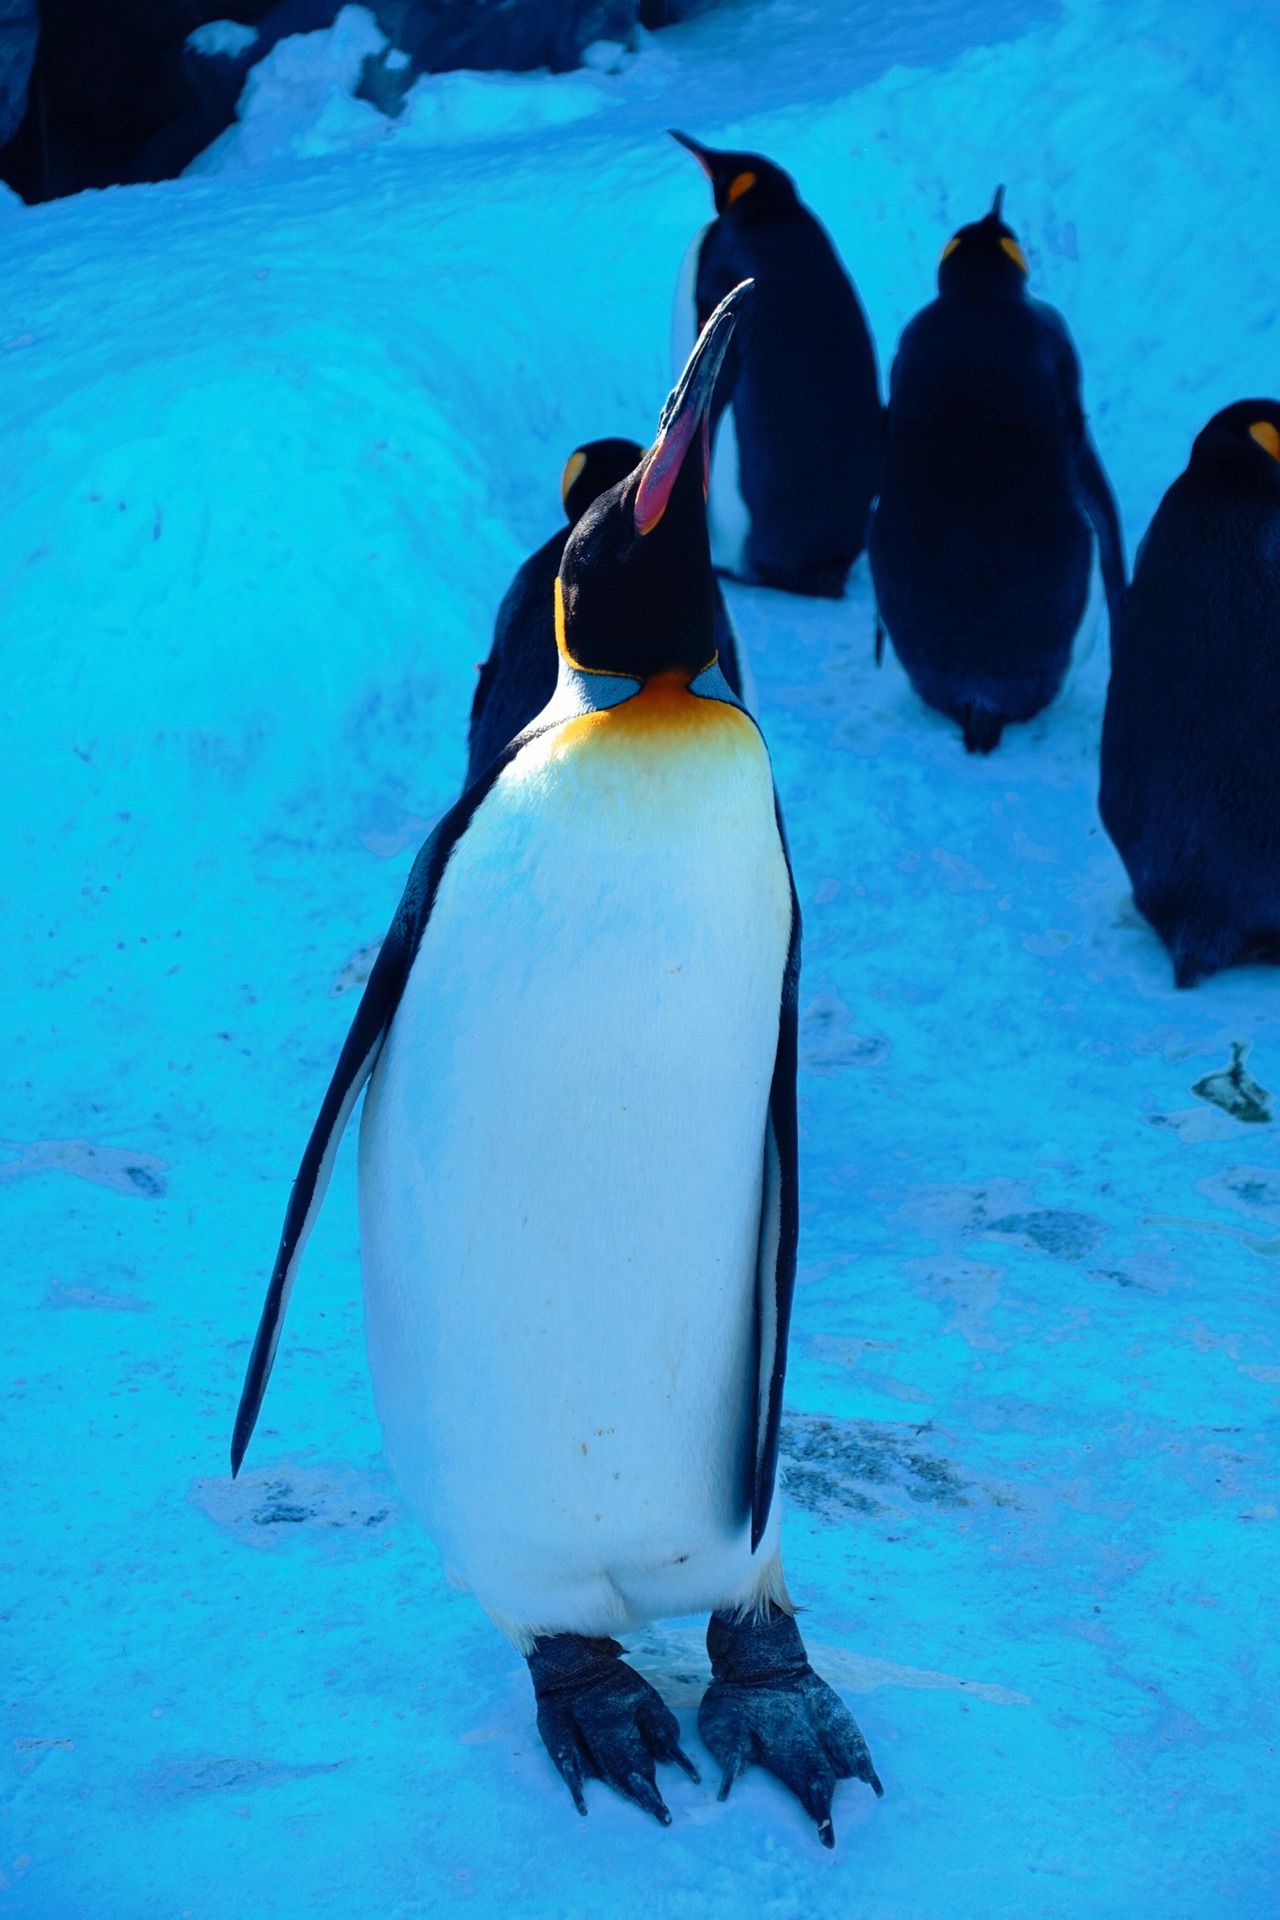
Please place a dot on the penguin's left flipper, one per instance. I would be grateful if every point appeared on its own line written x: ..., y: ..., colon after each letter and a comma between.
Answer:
x: 356, y: 1062
x: 766, y: 1704
x: 600, y: 1721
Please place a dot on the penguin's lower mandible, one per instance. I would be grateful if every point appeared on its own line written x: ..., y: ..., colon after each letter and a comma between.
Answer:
x: 578, y: 1181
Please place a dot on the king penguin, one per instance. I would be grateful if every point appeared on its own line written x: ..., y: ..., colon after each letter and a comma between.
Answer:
x: 519, y: 677
x: 992, y: 496
x: 797, y: 420
x: 577, y: 1169
x: 1190, y: 775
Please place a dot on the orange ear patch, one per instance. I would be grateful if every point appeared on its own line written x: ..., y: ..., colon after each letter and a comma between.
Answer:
x: 572, y: 468
x: 1266, y: 436
x: 740, y: 184
x: 1010, y: 246
x: 950, y: 248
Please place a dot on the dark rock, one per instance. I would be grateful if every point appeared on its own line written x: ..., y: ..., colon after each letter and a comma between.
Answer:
x: 19, y: 29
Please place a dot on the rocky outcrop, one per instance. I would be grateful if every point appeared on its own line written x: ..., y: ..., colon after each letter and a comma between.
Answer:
x: 129, y: 90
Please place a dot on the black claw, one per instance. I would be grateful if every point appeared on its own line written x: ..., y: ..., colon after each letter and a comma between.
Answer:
x: 766, y: 1703
x: 599, y: 1718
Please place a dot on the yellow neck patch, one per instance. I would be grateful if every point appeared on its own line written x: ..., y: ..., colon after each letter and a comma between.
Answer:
x: 1014, y: 252
x: 1266, y: 436
x: 740, y: 184
x: 662, y: 716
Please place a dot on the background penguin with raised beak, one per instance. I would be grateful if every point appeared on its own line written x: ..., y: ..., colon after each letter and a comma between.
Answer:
x: 519, y: 677
x: 797, y: 420
x: 578, y: 1168
x: 1191, y: 738
x: 992, y: 495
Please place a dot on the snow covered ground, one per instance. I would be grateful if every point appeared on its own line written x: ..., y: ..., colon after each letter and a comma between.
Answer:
x: 274, y: 438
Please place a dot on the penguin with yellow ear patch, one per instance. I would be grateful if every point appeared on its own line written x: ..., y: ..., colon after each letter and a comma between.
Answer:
x: 797, y: 419
x: 1190, y: 765
x: 519, y: 677
x: 993, y: 494
x: 578, y: 1183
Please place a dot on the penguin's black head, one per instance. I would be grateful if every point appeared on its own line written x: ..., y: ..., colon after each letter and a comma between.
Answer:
x: 635, y: 594
x: 745, y: 180
x: 592, y: 469
x: 1242, y: 444
x: 984, y: 255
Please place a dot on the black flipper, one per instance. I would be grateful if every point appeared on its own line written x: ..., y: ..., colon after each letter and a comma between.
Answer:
x: 356, y: 1062
x: 1100, y: 505
x: 779, y: 1230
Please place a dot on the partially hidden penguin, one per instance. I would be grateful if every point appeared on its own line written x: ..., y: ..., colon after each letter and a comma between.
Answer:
x: 519, y: 676
x: 797, y: 420
x: 1190, y: 789
x: 577, y: 1168
x: 993, y: 494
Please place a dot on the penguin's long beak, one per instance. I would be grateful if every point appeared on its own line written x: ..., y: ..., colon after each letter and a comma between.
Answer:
x: 700, y: 153
x: 684, y: 418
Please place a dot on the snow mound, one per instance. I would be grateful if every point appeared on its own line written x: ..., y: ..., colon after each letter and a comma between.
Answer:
x: 300, y: 102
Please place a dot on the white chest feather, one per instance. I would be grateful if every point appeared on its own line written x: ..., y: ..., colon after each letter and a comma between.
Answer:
x: 560, y: 1173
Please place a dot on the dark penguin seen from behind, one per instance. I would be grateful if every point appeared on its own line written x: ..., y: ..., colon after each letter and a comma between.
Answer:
x: 992, y: 495
x: 800, y: 392
x: 578, y: 1172
x: 519, y: 677
x: 1191, y: 739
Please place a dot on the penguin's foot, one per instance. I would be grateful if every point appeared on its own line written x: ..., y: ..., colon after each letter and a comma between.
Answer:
x: 600, y: 1721
x: 765, y: 1703
x: 982, y: 728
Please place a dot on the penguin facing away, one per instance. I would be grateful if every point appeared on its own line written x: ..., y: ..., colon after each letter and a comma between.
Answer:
x: 992, y: 494
x: 519, y: 676
x: 578, y: 1200
x: 800, y: 396
x: 1190, y: 789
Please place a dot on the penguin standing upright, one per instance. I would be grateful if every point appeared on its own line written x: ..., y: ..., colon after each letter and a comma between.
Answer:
x: 519, y: 677
x: 578, y: 1202
x: 797, y: 419
x: 992, y: 494
x: 1190, y: 767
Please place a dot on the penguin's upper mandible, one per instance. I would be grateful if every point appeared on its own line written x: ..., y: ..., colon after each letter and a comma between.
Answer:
x: 636, y: 593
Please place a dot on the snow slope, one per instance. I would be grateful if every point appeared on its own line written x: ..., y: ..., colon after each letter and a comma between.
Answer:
x: 276, y: 438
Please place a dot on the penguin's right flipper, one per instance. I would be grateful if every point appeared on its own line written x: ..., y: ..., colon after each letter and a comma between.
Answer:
x: 1100, y: 505
x: 779, y: 1229
x: 600, y: 1721
x: 356, y: 1062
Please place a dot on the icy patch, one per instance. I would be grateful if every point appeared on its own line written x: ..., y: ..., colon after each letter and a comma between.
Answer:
x: 118, y: 1168
x: 995, y: 1211
x: 1249, y: 1189
x: 1193, y: 1124
x: 674, y: 1659
x: 355, y: 972
x: 60, y: 1295
x: 1235, y: 1090
x: 824, y: 1044
x: 1059, y: 1232
x: 829, y: 1467
x: 222, y: 37
x: 263, y: 1506
x: 180, y: 1779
